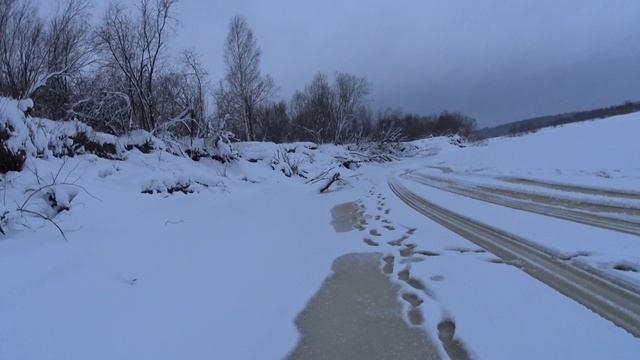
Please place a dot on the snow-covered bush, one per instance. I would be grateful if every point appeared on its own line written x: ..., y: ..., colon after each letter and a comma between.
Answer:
x: 10, y: 160
x: 141, y: 140
x: 375, y: 151
x: 217, y: 147
x: 288, y: 165
x: 223, y: 149
x: 71, y: 138
x: 458, y: 141
x: 22, y: 136
x: 182, y: 184
x: 55, y: 199
x: 14, y: 135
x: 44, y: 200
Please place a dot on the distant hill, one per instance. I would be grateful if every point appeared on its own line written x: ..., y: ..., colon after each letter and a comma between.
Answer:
x: 534, y: 124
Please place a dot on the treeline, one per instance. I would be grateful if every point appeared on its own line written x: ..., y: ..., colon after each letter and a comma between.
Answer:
x: 418, y: 127
x: 119, y: 75
x: 534, y: 124
x: 601, y: 113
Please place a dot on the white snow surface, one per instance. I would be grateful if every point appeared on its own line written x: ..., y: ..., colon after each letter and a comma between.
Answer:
x: 223, y: 272
x: 601, y: 153
x: 217, y: 274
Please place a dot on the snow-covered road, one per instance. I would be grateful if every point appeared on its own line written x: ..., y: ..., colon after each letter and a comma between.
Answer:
x: 609, y: 299
x: 622, y: 218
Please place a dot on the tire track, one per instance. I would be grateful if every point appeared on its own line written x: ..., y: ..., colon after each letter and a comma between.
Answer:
x: 608, y: 299
x: 580, y: 205
x: 586, y: 218
x: 572, y: 188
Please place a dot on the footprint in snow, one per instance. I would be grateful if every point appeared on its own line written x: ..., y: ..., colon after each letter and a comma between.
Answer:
x: 415, y: 316
x: 417, y: 284
x: 426, y: 253
x: 388, y: 264
x: 371, y: 242
x: 413, y: 299
x: 399, y: 241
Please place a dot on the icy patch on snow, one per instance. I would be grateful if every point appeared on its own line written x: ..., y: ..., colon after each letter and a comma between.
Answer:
x: 356, y: 315
x: 345, y: 217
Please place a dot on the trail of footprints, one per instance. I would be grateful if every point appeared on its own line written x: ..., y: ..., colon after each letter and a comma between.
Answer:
x: 398, y: 263
x: 377, y: 226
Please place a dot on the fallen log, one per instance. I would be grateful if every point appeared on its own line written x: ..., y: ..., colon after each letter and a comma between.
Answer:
x: 334, y: 178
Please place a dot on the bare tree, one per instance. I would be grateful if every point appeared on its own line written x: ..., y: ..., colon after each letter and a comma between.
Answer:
x: 22, y: 43
x: 135, y: 47
x: 182, y: 92
x: 274, y: 122
x: 350, y: 93
x: 326, y: 112
x: 103, y: 102
x: 33, y: 52
x: 197, y: 80
x: 313, y: 110
x: 69, y: 51
x: 244, y: 89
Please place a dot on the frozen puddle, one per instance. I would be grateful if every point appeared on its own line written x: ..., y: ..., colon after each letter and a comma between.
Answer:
x: 347, y: 216
x: 356, y: 315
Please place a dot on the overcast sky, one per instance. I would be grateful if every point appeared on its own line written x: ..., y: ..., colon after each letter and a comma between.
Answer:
x: 495, y: 60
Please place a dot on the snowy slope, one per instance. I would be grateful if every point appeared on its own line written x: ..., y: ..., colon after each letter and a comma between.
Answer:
x: 602, y: 152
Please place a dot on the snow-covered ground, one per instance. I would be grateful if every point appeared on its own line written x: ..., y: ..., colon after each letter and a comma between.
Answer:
x: 222, y: 272
x: 601, y: 153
